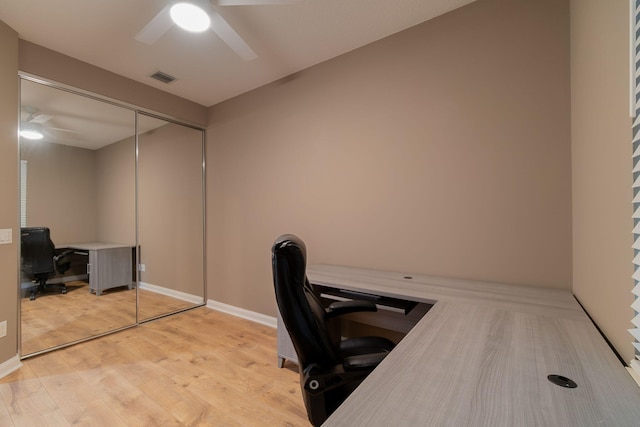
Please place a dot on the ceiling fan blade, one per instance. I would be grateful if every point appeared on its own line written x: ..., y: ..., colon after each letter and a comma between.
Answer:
x: 230, y: 37
x: 254, y: 2
x: 41, y: 118
x: 159, y: 25
x: 62, y: 130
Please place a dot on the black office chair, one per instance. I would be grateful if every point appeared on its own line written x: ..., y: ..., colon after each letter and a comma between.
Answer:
x: 39, y: 259
x: 330, y: 368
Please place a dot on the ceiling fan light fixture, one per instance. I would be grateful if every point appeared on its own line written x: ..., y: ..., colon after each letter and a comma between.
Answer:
x: 31, y: 131
x: 190, y: 17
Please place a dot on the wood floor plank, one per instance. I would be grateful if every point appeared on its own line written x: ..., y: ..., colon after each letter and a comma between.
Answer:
x: 197, y: 368
x: 55, y: 319
x: 5, y: 417
x: 29, y: 404
x: 68, y: 389
x: 173, y: 394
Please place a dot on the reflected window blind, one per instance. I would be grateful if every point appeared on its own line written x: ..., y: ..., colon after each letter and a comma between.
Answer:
x: 23, y: 193
x: 635, y: 114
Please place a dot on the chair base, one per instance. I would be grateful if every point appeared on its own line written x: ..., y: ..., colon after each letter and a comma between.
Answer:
x: 324, y: 391
x: 45, y: 288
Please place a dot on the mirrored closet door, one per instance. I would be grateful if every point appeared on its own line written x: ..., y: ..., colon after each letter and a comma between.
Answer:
x: 77, y: 193
x: 170, y: 217
x: 116, y: 198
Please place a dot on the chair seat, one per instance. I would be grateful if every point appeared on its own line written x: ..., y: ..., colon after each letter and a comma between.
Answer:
x: 364, y: 352
x: 363, y: 361
x: 363, y: 345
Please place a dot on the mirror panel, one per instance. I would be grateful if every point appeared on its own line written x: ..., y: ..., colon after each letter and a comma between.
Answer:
x: 79, y: 182
x: 170, y: 217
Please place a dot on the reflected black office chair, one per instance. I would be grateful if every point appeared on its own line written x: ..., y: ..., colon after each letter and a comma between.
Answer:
x: 330, y: 368
x: 39, y: 261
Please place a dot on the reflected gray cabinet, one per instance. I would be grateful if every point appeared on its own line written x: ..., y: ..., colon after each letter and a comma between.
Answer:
x: 110, y: 265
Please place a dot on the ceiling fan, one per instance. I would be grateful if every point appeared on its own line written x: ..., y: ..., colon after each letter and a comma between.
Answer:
x: 206, y: 18
x: 32, y: 126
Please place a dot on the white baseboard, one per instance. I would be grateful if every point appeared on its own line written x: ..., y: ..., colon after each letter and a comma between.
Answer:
x: 183, y: 296
x: 9, y: 366
x: 243, y: 313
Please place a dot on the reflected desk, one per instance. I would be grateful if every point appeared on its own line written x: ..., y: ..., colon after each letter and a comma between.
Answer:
x: 481, y: 356
x: 109, y: 266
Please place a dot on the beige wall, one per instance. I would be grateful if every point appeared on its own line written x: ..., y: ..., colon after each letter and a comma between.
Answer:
x: 82, y: 195
x: 170, y: 215
x: 61, y: 190
x: 9, y: 101
x: 116, y: 192
x: 444, y: 149
x: 601, y: 157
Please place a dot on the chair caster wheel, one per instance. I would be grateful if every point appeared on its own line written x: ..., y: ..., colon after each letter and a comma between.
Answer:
x: 64, y: 291
x: 32, y: 297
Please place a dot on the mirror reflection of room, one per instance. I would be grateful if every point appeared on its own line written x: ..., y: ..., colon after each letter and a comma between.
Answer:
x: 78, y: 191
x: 116, y: 197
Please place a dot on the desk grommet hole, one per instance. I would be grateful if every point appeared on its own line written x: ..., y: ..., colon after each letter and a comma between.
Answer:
x: 561, y: 381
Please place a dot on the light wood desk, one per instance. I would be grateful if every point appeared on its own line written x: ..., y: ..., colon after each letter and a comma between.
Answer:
x: 481, y: 357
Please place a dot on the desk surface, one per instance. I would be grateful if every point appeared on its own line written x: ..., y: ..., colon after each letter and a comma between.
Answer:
x: 94, y: 246
x: 481, y: 356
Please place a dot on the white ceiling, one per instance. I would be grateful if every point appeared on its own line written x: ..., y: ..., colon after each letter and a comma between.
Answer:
x: 287, y: 38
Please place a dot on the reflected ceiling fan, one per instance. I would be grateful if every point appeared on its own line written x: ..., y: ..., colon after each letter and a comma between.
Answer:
x: 199, y: 16
x: 33, y: 126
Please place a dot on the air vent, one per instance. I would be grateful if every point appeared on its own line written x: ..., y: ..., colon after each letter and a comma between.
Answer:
x: 163, y: 77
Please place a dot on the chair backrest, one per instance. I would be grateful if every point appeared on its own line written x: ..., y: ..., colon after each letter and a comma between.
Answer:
x: 36, y: 250
x: 300, y: 307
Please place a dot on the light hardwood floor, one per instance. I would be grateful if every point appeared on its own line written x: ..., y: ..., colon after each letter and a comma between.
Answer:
x: 197, y: 368
x: 54, y: 319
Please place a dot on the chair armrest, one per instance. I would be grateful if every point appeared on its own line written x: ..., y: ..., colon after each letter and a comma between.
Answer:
x: 61, y: 263
x: 63, y: 254
x: 339, y: 308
